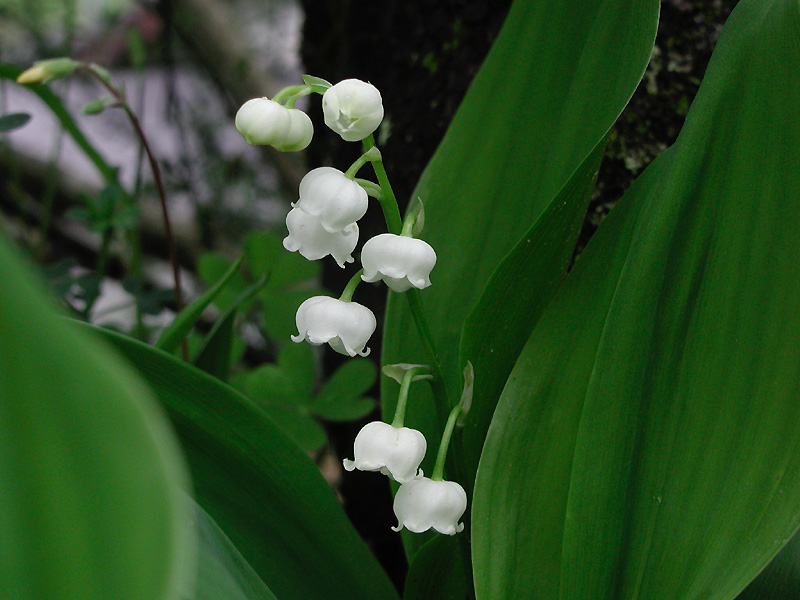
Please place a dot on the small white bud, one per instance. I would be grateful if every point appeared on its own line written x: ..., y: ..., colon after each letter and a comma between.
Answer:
x: 264, y: 122
x: 353, y: 109
x: 402, y: 262
x: 344, y: 326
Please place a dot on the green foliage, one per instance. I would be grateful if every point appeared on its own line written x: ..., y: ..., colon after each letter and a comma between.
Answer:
x: 54, y: 103
x: 285, y: 391
x: 437, y: 571
x: 659, y: 391
x: 635, y: 424
x: 542, y: 101
x: 222, y: 572
x: 515, y: 297
x: 185, y: 320
x: 258, y: 486
x: 89, y: 470
x: 290, y: 281
x: 110, y: 210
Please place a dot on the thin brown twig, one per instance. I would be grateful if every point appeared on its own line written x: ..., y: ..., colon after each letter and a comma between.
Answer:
x: 122, y: 103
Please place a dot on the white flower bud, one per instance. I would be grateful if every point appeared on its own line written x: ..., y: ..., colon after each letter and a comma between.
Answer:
x: 336, y: 200
x: 267, y: 123
x: 345, y: 326
x: 353, y: 109
x: 308, y: 236
x: 394, y: 451
x: 402, y: 262
x: 421, y: 504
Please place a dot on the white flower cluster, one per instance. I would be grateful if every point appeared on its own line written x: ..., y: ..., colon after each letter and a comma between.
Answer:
x: 420, y: 503
x: 323, y: 222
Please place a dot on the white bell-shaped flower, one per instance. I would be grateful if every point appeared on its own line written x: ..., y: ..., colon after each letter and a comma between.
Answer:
x: 402, y: 262
x: 345, y: 326
x: 353, y: 109
x: 330, y: 196
x: 264, y: 122
x: 422, y: 504
x: 394, y: 451
x: 309, y: 237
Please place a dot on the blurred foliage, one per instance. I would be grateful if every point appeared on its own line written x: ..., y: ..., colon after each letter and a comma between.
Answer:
x: 285, y: 389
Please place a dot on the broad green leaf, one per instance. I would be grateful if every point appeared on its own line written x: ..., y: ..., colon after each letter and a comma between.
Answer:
x: 437, y: 571
x: 556, y: 79
x: 263, y: 491
x: 13, y: 121
x: 780, y: 579
x: 515, y: 297
x: 89, y: 471
x: 222, y: 572
x: 645, y: 445
x: 185, y: 320
x: 341, y: 397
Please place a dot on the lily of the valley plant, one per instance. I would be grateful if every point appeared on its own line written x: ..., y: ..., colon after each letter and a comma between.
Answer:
x: 324, y: 222
x: 620, y: 426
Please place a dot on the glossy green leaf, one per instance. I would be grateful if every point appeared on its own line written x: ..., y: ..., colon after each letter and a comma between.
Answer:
x: 263, y: 491
x: 515, y: 297
x: 645, y: 445
x: 185, y: 320
x: 89, y: 471
x: 556, y: 79
x: 222, y: 571
x: 437, y: 571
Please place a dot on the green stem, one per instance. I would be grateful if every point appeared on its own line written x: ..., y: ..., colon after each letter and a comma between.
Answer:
x: 394, y: 224
x: 351, y: 286
x: 287, y: 92
x: 438, y: 468
x: 370, y: 155
x: 295, y: 97
x: 391, y: 212
x: 402, y: 398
